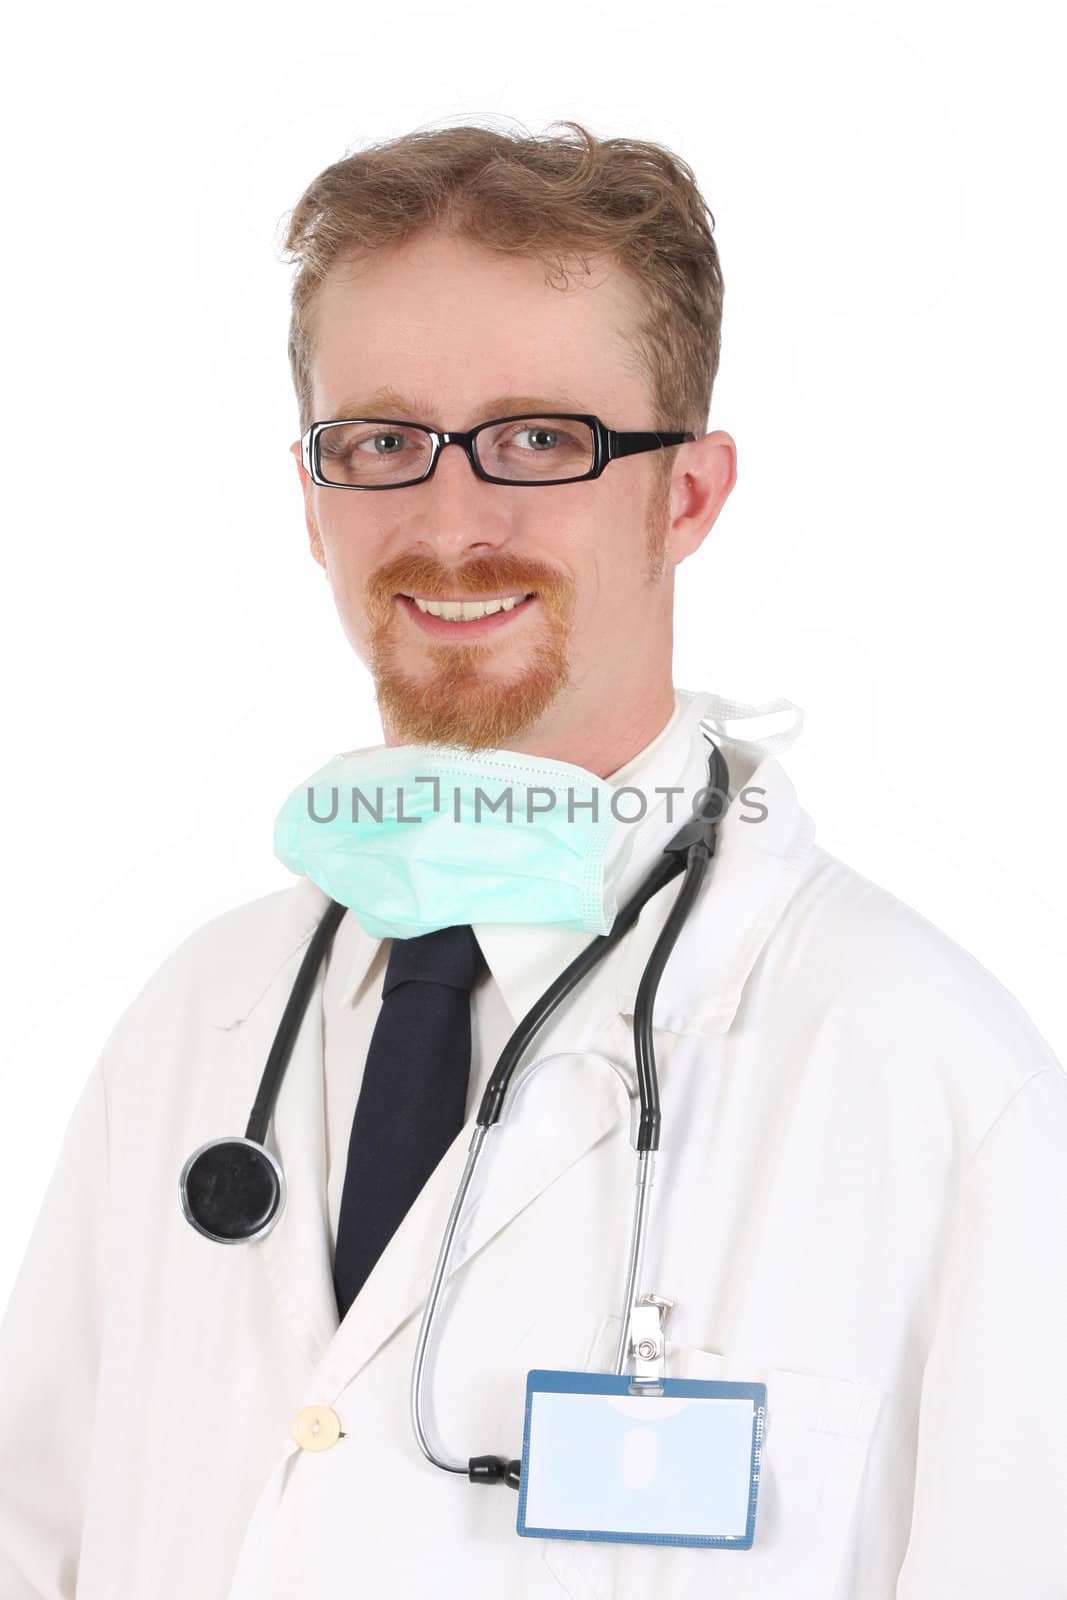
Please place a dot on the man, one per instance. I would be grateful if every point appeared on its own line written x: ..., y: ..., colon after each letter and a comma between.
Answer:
x: 862, y: 1200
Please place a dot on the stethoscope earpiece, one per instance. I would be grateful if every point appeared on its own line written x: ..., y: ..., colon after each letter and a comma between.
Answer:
x: 232, y: 1190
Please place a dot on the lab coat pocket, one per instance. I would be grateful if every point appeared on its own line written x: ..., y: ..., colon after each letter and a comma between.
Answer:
x: 816, y: 1440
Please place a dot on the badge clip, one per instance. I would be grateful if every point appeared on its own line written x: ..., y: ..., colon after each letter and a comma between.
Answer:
x: 648, y: 1344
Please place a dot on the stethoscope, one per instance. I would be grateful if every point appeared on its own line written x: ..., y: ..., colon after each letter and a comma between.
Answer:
x: 232, y: 1190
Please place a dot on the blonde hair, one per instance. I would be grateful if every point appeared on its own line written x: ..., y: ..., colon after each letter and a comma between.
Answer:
x: 548, y: 198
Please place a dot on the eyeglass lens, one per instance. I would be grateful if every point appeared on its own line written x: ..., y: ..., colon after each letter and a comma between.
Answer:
x: 524, y: 450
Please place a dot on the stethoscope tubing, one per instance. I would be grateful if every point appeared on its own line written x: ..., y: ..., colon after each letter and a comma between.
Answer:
x: 666, y: 868
x: 426, y: 1327
x: 289, y: 1026
x: 694, y: 866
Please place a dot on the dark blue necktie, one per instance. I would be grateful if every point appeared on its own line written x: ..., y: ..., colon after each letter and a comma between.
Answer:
x: 413, y: 1098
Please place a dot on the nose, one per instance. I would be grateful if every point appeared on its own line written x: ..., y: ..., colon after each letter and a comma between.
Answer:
x: 458, y: 511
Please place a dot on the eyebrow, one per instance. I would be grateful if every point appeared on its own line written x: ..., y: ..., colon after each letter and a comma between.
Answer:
x: 388, y: 404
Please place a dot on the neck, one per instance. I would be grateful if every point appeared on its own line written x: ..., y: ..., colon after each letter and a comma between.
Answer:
x: 601, y: 739
x: 605, y: 739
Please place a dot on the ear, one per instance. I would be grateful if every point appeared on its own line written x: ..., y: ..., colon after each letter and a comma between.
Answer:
x: 314, y: 537
x: 704, y: 473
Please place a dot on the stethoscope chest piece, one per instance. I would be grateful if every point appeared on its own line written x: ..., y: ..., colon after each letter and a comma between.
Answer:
x: 232, y: 1190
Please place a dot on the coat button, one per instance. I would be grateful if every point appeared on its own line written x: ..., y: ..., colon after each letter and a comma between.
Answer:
x: 317, y: 1428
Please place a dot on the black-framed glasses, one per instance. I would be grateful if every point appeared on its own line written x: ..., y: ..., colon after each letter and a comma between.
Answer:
x: 386, y: 453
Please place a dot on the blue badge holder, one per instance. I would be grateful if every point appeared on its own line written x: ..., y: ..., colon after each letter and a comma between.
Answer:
x: 676, y: 1466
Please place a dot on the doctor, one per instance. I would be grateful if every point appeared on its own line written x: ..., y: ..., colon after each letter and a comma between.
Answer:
x: 863, y: 1200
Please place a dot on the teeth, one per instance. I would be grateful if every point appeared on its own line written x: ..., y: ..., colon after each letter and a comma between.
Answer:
x: 465, y: 610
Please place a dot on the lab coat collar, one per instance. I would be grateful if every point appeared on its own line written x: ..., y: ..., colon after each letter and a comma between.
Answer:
x: 756, y: 868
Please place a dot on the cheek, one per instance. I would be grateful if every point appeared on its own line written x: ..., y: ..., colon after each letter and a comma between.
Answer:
x: 348, y: 552
x: 347, y: 570
x: 621, y: 561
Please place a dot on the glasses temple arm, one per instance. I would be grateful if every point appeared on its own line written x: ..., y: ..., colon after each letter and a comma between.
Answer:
x: 631, y: 444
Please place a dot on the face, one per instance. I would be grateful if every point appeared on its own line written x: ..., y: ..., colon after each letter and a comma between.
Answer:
x: 578, y: 664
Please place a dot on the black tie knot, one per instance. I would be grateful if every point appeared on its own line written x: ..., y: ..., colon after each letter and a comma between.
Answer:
x: 448, y: 956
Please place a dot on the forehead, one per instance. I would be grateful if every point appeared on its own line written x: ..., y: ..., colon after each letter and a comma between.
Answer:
x: 448, y: 324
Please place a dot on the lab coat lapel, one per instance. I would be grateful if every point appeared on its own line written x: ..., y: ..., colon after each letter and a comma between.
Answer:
x: 523, y: 1157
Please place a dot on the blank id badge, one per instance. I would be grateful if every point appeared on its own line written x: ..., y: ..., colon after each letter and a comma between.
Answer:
x: 679, y: 1467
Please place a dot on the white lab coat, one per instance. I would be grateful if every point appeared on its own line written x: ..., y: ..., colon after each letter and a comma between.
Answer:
x: 861, y: 1200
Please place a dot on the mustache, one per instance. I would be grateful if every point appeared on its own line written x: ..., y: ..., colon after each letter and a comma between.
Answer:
x: 482, y: 577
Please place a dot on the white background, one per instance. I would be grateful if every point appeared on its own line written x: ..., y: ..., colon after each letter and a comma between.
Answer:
x: 886, y: 181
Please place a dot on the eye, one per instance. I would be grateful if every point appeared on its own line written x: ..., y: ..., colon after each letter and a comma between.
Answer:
x: 543, y: 438
x: 384, y: 444
x: 339, y: 442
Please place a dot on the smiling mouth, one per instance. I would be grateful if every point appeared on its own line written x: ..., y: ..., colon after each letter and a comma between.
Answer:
x: 469, y: 610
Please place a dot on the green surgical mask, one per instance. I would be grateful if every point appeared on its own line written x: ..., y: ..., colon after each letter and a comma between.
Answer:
x: 419, y: 837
